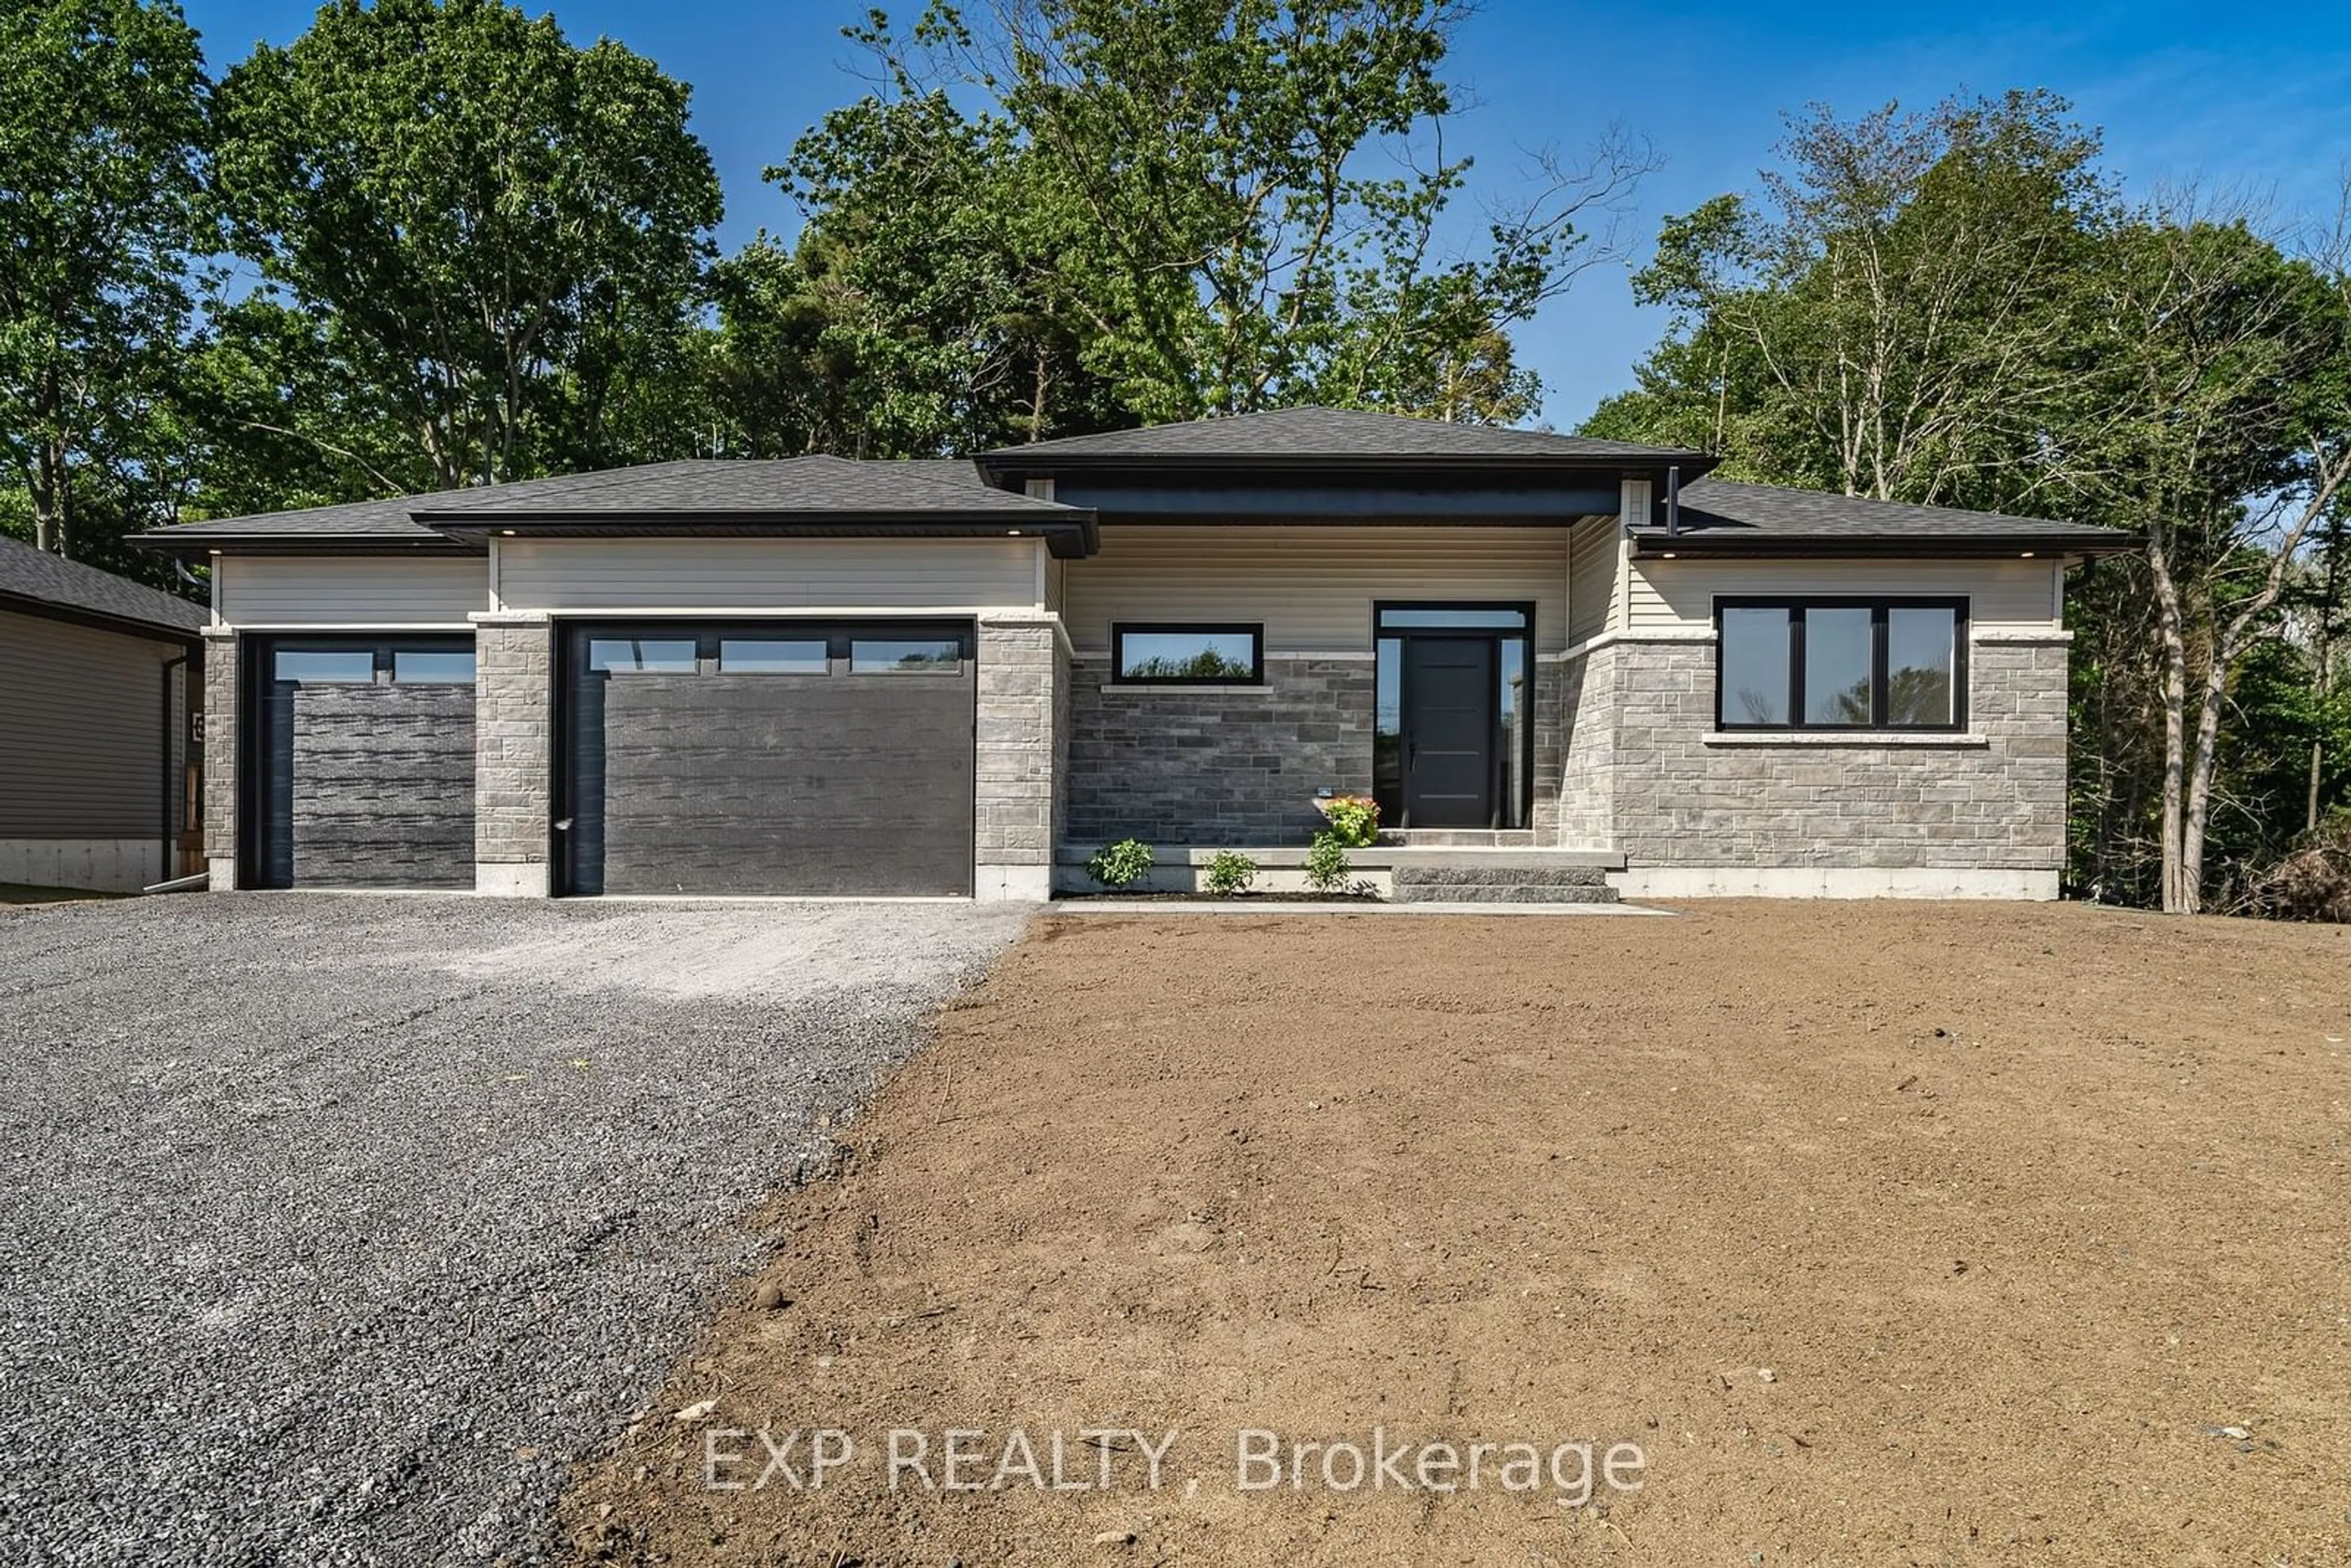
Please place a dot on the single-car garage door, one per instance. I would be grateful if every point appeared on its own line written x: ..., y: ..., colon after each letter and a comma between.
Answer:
x: 776, y: 757
x: 363, y: 753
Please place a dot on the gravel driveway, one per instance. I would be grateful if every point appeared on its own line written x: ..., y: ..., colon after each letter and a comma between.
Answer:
x: 331, y: 1228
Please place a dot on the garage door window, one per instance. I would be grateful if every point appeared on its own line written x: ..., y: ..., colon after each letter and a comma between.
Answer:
x: 890, y: 656
x: 433, y: 667
x: 642, y: 655
x: 771, y: 656
x: 323, y: 666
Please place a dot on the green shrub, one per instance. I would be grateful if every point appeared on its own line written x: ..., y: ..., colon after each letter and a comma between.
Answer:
x: 1355, y: 819
x: 1123, y: 864
x: 1230, y: 873
x: 1327, y: 870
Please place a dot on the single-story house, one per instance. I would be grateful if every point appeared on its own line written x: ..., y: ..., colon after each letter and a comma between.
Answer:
x: 100, y: 694
x: 819, y: 676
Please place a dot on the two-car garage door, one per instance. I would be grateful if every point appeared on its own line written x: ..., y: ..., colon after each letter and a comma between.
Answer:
x: 767, y: 757
x: 778, y: 758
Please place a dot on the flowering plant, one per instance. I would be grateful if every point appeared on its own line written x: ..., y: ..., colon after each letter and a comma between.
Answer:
x: 1355, y: 819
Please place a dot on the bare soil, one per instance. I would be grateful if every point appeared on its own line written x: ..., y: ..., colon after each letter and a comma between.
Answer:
x: 1888, y: 1233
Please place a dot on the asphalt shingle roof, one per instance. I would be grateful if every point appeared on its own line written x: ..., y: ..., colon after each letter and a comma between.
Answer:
x: 1296, y: 433
x: 1718, y: 510
x: 33, y: 576
x: 779, y: 487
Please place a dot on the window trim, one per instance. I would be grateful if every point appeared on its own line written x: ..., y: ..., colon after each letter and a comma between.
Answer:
x: 1253, y: 629
x: 1878, y: 605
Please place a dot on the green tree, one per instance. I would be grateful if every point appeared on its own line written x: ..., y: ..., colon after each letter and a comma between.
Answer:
x: 499, y: 236
x: 1077, y: 214
x: 102, y: 136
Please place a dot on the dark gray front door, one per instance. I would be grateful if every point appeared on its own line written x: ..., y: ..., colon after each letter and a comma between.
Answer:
x: 769, y: 759
x: 1449, y: 732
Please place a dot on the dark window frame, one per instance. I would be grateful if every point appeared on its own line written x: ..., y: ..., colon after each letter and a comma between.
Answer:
x: 1879, y: 606
x: 1253, y: 629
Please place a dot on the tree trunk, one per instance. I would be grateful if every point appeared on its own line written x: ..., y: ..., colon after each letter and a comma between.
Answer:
x: 2179, y: 897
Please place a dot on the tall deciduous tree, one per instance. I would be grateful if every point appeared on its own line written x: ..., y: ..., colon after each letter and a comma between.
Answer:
x: 101, y: 129
x: 502, y: 234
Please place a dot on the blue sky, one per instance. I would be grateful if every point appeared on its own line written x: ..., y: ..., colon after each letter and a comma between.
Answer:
x: 2245, y: 95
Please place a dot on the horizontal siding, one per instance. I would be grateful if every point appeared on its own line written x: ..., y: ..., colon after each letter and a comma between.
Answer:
x: 1594, y: 556
x: 1666, y: 594
x: 758, y: 574
x: 1312, y: 587
x: 81, y: 712
x: 353, y: 590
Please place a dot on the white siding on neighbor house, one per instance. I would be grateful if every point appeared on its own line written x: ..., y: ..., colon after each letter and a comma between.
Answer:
x: 350, y: 590
x: 1595, y: 554
x: 1312, y: 586
x: 2002, y: 594
x: 718, y: 574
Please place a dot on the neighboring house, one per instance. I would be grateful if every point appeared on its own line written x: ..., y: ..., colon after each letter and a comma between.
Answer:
x: 951, y: 678
x: 98, y: 754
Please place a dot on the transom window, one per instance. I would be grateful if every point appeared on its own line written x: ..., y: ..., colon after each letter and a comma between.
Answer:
x: 1231, y: 654
x: 1841, y: 663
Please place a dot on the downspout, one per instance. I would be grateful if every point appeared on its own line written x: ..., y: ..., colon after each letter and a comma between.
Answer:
x: 1673, y: 500
x: 172, y: 785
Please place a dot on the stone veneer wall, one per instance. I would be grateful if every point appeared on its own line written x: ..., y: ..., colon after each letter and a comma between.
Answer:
x: 1020, y: 735
x: 1584, y: 816
x: 513, y: 755
x: 1218, y: 765
x: 1683, y: 797
x: 224, y: 662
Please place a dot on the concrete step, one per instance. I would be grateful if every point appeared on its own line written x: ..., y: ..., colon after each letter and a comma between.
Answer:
x: 1502, y: 892
x: 1469, y: 871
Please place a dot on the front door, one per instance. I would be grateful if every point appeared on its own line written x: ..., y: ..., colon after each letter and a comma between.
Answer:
x: 1448, y: 731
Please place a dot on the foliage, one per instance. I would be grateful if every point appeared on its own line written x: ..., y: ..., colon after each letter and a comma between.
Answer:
x: 1122, y: 864
x: 2314, y: 882
x: 1083, y: 215
x: 1328, y: 869
x: 1229, y: 873
x: 101, y: 133
x: 500, y: 235
x: 1355, y: 819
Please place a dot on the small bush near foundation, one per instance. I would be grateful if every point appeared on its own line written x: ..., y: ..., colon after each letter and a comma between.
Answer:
x: 1355, y: 819
x: 1327, y: 870
x: 1123, y: 864
x: 1230, y: 873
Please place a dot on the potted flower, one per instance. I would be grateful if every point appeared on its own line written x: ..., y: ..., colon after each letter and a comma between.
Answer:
x: 1355, y: 819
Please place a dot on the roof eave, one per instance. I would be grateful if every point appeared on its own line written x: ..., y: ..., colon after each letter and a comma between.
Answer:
x: 186, y: 542
x: 1013, y: 465
x: 1723, y: 545
x: 1067, y: 531
x: 101, y: 621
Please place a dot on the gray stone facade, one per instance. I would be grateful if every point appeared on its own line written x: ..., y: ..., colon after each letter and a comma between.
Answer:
x: 1022, y: 737
x: 1218, y: 765
x: 224, y: 668
x: 1646, y: 769
x: 514, y: 759
x: 1585, y: 816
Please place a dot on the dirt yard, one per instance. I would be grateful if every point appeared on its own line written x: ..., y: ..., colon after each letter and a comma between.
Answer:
x: 1881, y: 1234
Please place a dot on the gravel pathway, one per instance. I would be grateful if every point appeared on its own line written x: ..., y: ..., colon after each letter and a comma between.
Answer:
x: 333, y: 1228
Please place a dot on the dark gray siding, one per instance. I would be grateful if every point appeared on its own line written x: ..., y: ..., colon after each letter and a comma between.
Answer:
x: 81, y: 731
x: 777, y: 784
x: 372, y: 786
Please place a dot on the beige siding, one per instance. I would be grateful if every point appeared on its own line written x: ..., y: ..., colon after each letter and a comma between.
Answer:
x: 1594, y: 557
x: 765, y: 574
x: 1666, y: 594
x: 1312, y: 587
x: 351, y: 591
x: 82, y: 712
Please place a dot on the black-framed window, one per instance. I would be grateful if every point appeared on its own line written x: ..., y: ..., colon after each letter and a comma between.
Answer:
x: 1833, y: 662
x: 1155, y: 654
